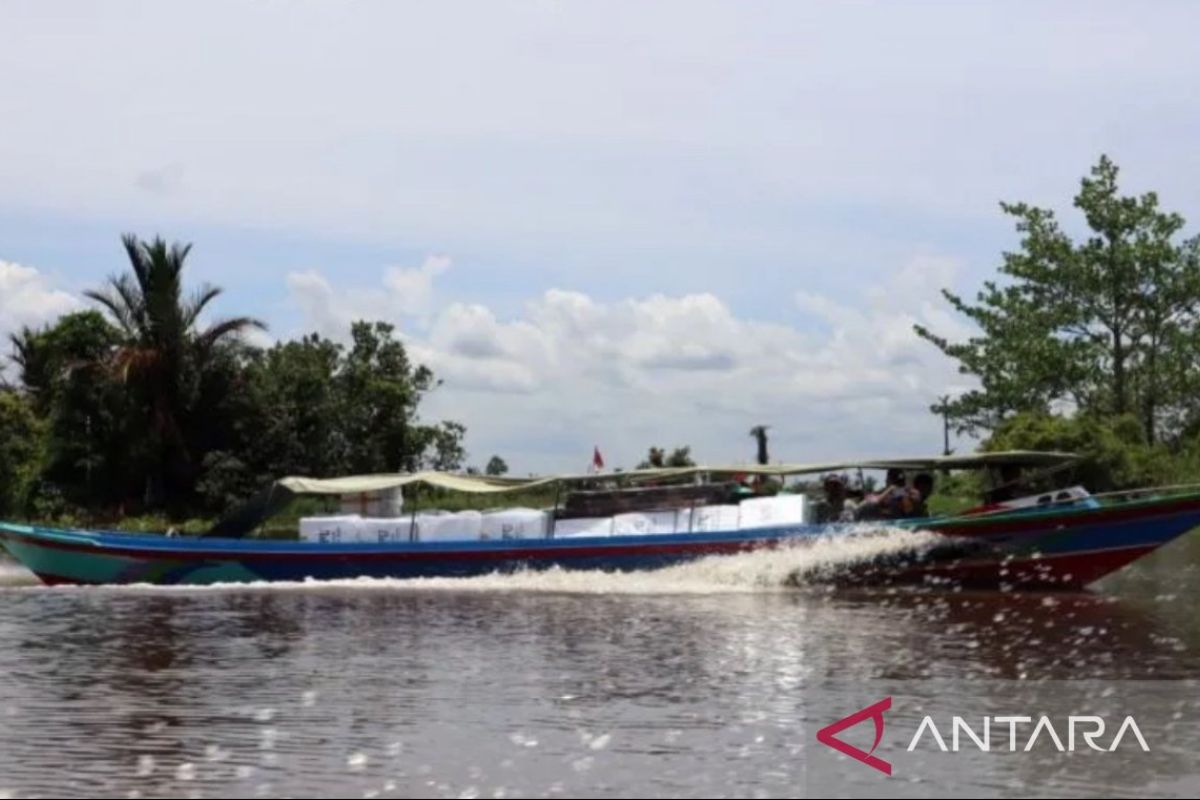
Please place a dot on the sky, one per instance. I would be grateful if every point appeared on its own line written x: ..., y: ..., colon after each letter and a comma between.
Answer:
x: 609, y: 225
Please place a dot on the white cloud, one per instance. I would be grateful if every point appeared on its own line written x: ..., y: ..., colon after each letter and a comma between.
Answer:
x: 406, y: 292
x: 411, y: 290
x: 27, y: 297
x: 571, y: 371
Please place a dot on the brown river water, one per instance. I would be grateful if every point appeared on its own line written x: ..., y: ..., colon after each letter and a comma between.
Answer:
x: 705, y: 680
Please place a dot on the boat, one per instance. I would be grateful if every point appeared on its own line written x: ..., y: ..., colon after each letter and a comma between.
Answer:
x: 1059, y: 539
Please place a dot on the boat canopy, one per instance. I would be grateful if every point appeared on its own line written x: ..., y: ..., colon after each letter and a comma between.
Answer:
x: 488, y: 484
x: 271, y: 501
x: 368, y: 484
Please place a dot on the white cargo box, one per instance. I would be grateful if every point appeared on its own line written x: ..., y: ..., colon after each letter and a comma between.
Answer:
x: 515, y: 523
x: 345, y: 528
x: 395, y: 529
x: 644, y: 522
x: 766, y: 512
x: 715, y: 518
x: 583, y: 526
x: 443, y: 527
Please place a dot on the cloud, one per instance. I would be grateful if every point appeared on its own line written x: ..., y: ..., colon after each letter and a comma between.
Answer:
x: 27, y: 297
x: 569, y: 371
x: 406, y: 292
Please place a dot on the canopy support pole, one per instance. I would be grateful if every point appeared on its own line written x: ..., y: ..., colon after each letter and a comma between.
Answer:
x: 412, y: 525
x: 554, y: 514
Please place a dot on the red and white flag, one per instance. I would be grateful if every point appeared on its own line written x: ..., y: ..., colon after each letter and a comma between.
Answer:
x: 597, y: 459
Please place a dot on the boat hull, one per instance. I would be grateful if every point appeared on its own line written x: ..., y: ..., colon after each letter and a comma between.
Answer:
x: 1060, y: 548
x: 1066, y: 549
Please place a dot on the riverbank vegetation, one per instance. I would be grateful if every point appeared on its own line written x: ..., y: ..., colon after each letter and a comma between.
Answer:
x: 1089, y: 342
x: 152, y: 406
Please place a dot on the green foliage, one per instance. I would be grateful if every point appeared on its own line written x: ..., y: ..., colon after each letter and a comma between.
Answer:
x: 1114, y: 449
x: 1107, y: 325
x: 163, y: 358
x: 681, y: 457
x: 444, y: 448
x: 21, y: 436
x: 429, y: 498
x: 89, y: 452
x: 294, y: 406
x: 312, y: 407
x: 147, y: 412
x: 941, y: 504
x: 380, y: 389
x: 657, y: 457
x: 496, y: 466
x: 955, y: 492
x: 654, y: 459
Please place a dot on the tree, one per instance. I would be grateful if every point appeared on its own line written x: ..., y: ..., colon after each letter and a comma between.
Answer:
x: 295, y: 409
x: 143, y: 404
x: 162, y: 354
x: 20, y: 436
x: 313, y: 407
x: 496, y: 466
x: 379, y: 390
x: 1105, y: 326
x: 657, y: 457
x: 87, y: 415
x: 1113, y: 450
x: 444, y: 451
x: 681, y: 457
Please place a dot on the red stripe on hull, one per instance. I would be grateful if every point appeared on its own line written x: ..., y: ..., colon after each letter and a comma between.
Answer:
x: 58, y: 580
x: 1069, y: 571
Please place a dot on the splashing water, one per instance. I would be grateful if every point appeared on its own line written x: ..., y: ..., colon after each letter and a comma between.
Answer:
x: 787, y: 566
x: 12, y: 574
x: 790, y: 565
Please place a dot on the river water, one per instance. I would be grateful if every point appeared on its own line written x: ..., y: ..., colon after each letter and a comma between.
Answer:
x: 706, y: 680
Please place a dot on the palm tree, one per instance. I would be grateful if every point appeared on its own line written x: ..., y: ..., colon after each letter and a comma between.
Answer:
x: 162, y: 346
x: 30, y: 360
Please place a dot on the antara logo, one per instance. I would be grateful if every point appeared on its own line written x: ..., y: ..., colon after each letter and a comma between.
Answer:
x: 1043, y: 727
x: 828, y: 735
x: 1089, y: 729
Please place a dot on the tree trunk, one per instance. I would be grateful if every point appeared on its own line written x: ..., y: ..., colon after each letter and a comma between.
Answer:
x: 1120, y: 401
x: 1150, y: 402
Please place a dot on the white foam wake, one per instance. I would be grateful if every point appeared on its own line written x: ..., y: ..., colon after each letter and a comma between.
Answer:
x: 13, y: 574
x: 779, y: 569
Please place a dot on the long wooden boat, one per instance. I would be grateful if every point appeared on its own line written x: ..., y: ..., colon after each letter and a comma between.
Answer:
x: 1059, y: 546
